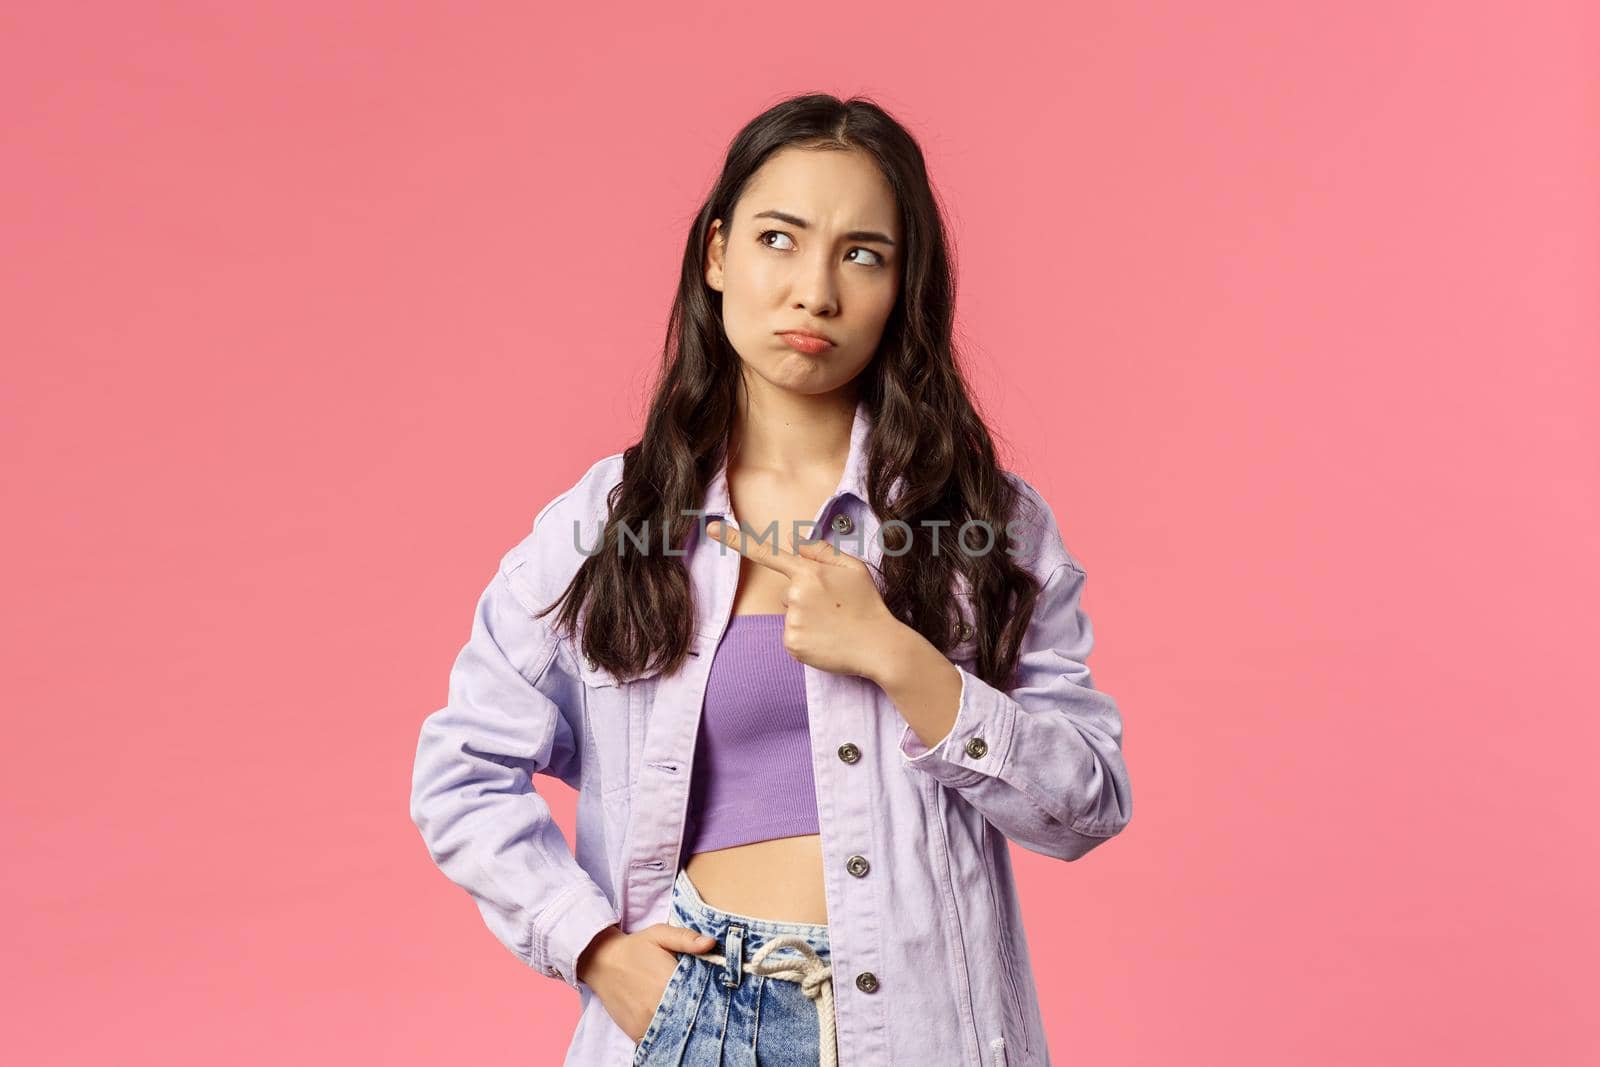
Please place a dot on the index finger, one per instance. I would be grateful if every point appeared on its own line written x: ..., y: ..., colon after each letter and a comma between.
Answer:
x: 756, y: 548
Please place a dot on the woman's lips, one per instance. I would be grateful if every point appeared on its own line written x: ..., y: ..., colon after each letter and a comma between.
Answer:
x: 804, y: 342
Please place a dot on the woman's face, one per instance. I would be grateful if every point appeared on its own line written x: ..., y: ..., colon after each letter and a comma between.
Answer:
x: 814, y: 244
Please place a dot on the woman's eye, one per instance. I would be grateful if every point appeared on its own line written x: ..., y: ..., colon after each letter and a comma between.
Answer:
x: 877, y: 260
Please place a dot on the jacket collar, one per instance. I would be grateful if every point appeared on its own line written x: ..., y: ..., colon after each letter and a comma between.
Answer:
x: 853, y: 482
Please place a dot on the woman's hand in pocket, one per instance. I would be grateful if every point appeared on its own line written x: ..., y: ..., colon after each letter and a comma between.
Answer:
x: 629, y: 972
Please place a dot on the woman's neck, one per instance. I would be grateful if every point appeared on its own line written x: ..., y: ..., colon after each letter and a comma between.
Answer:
x: 793, y: 436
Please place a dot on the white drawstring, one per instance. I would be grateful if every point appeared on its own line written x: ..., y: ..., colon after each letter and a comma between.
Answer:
x: 811, y: 971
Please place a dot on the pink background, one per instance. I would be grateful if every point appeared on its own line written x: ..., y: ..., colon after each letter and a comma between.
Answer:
x: 1292, y: 314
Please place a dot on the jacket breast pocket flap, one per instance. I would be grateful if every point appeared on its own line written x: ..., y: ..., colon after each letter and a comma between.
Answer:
x: 614, y: 710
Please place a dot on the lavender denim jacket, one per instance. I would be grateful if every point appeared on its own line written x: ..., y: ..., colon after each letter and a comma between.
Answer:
x: 931, y: 963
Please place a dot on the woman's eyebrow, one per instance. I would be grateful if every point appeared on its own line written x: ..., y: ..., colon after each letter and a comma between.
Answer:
x: 796, y: 220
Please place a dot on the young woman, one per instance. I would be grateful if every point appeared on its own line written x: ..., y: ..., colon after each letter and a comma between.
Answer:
x: 809, y: 655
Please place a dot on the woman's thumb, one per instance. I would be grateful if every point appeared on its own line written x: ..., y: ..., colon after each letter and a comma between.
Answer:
x: 690, y: 940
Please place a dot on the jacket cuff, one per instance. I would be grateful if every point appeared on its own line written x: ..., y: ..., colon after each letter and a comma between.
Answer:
x: 979, y: 741
x: 564, y: 929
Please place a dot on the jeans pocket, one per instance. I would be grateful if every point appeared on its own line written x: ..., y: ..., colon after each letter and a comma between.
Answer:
x: 663, y: 1008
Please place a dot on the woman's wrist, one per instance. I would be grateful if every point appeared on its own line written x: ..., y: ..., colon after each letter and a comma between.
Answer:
x: 923, y: 684
x: 901, y: 653
x: 593, y: 955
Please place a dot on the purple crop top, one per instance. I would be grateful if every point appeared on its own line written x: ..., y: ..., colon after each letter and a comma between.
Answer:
x: 752, y: 777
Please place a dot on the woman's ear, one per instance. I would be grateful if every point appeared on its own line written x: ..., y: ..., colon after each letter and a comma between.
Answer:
x: 716, y: 244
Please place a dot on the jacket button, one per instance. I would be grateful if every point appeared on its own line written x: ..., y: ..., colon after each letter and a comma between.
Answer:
x: 867, y: 982
x: 553, y: 972
x: 857, y: 865
x: 843, y: 523
x: 977, y: 747
x: 964, y: 630
x: 849, y: 752
x: 589, y: 662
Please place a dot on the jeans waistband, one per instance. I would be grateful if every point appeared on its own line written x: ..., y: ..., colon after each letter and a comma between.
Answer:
x: 794, y: 952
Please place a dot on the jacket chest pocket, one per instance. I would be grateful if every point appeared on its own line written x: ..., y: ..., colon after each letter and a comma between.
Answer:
x: 608, y: 704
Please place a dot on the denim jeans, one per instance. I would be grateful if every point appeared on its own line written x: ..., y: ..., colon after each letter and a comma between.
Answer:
x: 763, y: 994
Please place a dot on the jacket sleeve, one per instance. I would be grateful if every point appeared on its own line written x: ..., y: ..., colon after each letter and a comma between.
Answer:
x: 1043, y: 762
x: 472, y: 795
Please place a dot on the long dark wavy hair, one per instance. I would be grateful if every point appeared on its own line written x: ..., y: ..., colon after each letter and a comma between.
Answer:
x: 634, y: 609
